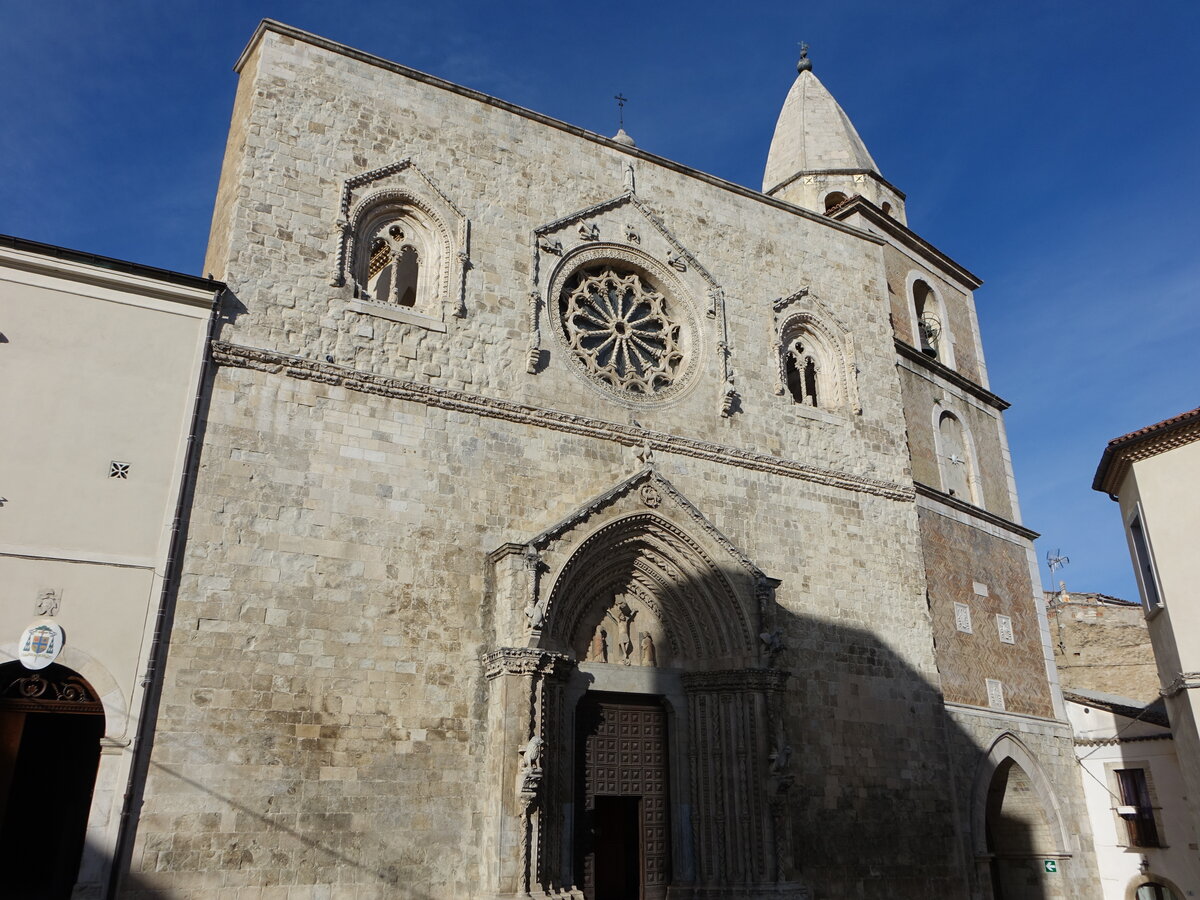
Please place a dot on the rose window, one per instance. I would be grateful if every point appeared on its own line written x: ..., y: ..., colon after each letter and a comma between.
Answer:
x: 619, y: 328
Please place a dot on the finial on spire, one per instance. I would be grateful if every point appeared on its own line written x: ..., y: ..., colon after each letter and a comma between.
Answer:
x: 621, y: 101
x: 805, y: 64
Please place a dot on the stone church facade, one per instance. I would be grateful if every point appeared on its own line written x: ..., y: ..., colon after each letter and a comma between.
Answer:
x: 572, y: 523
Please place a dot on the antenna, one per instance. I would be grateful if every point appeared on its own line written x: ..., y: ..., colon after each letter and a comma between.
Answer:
x: 1055, y: 561
x: 621, y: 101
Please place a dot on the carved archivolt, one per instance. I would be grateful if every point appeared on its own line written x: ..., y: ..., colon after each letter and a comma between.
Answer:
x: 639, y: 588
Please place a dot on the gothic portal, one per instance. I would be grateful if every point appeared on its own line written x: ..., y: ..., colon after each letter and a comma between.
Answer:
x: 640, y: 710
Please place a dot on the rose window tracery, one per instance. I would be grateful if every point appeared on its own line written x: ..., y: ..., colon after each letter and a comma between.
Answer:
x: 620, y: 329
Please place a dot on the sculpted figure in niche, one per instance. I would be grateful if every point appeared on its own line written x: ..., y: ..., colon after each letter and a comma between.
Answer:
x: 649, y: 656
x: 598, y: 651
x: 624, y: 616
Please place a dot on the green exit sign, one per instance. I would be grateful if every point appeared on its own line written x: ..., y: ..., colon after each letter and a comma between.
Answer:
x: 1050, y: 865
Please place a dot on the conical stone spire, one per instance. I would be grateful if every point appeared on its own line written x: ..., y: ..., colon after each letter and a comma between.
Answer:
x: 816, y: 144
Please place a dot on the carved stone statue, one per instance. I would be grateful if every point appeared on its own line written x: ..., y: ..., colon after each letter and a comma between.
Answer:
x: 773, y: 644
x: 598, y: 652
x: 530, y: 776
x: 649, y: 656
x: 624, y: 616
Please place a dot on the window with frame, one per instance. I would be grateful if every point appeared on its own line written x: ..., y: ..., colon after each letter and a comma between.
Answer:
x: 1136, y: 809
x: 1144, y: 564
x: 1152, y: 890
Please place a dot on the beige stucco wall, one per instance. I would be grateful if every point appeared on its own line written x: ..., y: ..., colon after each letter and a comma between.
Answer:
x: 96, y: 366
x: 1166, y: 487
x: 1147, y: 747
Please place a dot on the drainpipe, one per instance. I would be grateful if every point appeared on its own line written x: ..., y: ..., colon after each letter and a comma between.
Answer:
x: 156, y: 658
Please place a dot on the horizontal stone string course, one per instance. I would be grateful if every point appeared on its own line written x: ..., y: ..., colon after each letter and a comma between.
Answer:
x: 237, y: 356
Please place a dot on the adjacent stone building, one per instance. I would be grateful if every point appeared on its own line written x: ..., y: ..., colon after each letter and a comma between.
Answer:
x: 569, y: 522
x: 1101, y: 644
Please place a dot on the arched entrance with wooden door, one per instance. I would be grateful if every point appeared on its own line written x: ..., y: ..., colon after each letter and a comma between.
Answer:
x: 51, y: 723
x: 642, y: 720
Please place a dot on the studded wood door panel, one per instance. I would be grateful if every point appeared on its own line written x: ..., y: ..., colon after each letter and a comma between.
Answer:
x: 625, y: 755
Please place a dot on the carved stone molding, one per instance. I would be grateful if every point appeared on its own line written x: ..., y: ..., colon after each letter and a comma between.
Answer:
x: 526, y: 661
x: 234, y: 355
x: 736, y: 680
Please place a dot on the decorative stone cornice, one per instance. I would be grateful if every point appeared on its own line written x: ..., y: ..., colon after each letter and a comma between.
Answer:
x: 525, y: 661
x: 977, y: 512
x: 931, y: 365
x: 237, y: 356
x: 736, y: 680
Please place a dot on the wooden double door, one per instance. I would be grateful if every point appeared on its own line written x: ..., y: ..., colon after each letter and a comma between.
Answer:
x: 622, y: 835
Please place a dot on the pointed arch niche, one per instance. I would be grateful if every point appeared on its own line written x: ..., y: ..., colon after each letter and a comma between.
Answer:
x: 1016, y: 822
x: 636, y: 610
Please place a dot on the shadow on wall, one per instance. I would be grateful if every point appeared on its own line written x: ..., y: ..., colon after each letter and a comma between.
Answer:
x: 882, y: 779
x: 883, y: 797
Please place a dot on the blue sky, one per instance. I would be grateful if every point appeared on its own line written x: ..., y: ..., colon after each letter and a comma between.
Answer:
x: 1051, y: 148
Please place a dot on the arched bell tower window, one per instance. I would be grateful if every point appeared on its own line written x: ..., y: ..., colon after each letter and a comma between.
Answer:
x: 930, y: 328
x: 834, y: 199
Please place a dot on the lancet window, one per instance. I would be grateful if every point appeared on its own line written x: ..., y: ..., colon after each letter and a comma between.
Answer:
x: 813, y: 366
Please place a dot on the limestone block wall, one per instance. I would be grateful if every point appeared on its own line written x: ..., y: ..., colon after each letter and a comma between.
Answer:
x: 323, y: 723
x: 316, y: 118
x: 1102, y: 645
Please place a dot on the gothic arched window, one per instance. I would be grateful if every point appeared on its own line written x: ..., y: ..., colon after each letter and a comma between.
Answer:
x: 400, y: 257
x: 394, y: 268
x: 815, y: 367
x: 803, y: 373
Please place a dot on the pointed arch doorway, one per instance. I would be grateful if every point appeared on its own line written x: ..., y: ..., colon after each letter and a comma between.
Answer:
x: 1019, y: 835
x: 51, y: 722
x: 637, y: 709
